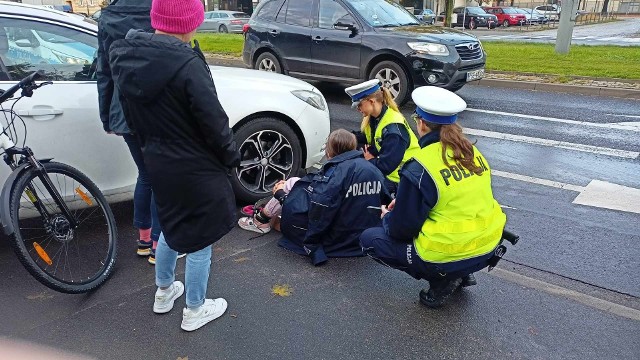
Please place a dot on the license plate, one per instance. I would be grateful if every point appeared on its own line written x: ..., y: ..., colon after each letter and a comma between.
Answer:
x: 475, y: 75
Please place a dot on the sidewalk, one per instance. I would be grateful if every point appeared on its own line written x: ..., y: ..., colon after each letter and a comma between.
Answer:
x: 628, y: 89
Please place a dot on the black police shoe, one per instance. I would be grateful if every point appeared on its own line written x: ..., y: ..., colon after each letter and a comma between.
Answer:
x: 469, y: 280
x: 439, y: 292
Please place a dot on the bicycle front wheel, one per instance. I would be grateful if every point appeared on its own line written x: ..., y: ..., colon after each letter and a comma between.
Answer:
x: 64, y: 258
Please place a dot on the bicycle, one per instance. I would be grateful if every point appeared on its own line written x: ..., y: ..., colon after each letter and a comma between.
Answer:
x: 52, y: 213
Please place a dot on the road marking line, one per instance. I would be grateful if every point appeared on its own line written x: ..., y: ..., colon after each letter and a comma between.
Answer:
x: 554, y: 143
x: 597, y: 193
x: 618, y: 126
x: 606, y: 195
x: 533, y: 180
x: 584, y: 299
x: 628, y: 116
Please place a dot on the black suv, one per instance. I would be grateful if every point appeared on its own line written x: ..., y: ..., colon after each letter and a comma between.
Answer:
x: 349, y: 41
x: 474, y: 17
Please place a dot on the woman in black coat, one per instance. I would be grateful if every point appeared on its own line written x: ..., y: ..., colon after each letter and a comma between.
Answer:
x: 171, y: 104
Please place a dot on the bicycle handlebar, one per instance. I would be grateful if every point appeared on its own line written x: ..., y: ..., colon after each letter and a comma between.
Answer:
x: 7, y: 94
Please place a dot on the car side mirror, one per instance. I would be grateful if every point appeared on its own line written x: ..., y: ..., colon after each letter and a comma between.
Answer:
x: 346, y: 25
x: 24, y: 43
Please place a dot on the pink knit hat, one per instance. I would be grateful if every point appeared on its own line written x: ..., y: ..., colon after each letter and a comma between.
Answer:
x: 177, y: 16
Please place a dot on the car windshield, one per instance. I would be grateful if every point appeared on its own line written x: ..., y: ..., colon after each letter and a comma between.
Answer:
x: 476, y: 10
x: 240, y: 15
x: 521, y: 11
x: 383, y: 13
x: 509, y: 11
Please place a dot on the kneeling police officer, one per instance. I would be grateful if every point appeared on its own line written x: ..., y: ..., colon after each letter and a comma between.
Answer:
x: 444, y: 224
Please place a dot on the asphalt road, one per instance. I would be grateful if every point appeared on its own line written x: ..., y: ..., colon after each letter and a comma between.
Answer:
x: 568, y: 290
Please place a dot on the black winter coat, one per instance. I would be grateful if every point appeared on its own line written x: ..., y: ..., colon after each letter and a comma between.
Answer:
x: 115, y: 22
x: 171, y: 103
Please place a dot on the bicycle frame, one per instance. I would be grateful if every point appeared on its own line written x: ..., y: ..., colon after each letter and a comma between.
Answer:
x: 27, y: 162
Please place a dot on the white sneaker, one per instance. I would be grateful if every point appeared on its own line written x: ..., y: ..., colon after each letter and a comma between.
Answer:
x: 209, y: 311
x: 166, y: 298
x: 248, y: 223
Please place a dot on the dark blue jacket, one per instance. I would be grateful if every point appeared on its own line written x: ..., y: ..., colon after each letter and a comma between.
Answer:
x: 115, y: 22
x: 417, y: 195
x: 325, y: 212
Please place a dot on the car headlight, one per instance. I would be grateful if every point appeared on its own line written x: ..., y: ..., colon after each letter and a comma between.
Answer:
x: 65, y: 59
x: 312, y: 98
x: 429, y: 48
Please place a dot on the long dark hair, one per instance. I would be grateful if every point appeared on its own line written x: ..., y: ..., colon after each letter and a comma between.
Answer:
x: 451, y: 137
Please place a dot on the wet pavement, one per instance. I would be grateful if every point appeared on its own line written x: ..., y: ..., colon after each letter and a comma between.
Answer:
x: 568, y: 290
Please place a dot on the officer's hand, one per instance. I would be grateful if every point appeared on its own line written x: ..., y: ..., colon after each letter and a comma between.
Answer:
x: 392, y: 205
x: 384, y: 211
x: 367, y: 154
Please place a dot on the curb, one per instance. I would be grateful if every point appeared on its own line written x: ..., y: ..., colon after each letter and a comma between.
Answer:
x: 510, y: 84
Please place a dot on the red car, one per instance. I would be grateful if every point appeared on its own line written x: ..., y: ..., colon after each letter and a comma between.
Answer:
x: 507, y: 16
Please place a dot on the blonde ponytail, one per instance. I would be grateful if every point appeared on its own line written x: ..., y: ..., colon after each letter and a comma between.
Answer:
x: 388, y: 99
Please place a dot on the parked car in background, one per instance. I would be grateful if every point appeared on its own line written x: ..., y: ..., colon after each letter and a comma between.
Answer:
x: 552, y: 12
x: 533, y: 17
x: 280, y: 131
x: 348, y: 41
x: 473, y: 17
x: 427, y: 16
x: 224, y: 21
x: 507, y: 16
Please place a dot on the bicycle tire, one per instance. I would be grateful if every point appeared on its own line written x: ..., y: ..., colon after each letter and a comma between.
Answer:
x: 20, y: 247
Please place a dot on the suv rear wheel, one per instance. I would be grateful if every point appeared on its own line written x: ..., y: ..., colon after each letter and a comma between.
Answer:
x: 270, y: 151
x: 394, y: 78
x: 268, y: 62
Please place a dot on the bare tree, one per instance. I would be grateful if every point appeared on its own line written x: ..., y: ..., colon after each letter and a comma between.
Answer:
x: 605, y: 6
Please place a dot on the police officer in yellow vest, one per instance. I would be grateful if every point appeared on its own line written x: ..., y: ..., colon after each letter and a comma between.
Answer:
x: 444, y: 224
x: 387, y: 140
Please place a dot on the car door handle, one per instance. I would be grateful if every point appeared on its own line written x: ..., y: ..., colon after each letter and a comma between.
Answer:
x: 40, y: 111
x: 318, y: 38
x: 274, y: 32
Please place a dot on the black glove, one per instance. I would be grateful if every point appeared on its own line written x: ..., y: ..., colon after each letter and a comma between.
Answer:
x: 360, y: 138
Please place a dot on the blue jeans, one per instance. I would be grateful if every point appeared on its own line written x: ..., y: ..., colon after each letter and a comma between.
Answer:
x: 197, y: 271
x: 145, y: 214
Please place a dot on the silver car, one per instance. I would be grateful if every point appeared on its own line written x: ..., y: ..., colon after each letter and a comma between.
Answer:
x: 224, y: 21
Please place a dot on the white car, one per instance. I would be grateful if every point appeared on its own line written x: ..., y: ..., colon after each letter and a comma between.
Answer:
x: 552, y: 12
x: 280, y: 123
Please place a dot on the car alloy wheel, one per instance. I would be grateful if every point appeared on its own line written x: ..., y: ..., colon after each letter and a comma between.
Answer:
x: 390, y: 80
x: 267, y: 157
x: 267, y: 65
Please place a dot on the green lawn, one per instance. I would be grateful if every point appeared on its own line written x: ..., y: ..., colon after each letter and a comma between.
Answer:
x: 595, y: 61
x: 226, y: 44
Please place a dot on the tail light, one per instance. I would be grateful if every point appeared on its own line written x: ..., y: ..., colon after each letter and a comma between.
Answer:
x: 236, y: 22
x: 245, y: 28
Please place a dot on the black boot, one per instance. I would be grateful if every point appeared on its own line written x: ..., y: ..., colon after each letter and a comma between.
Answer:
x: 469, y: 280
x: 439, y: 292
